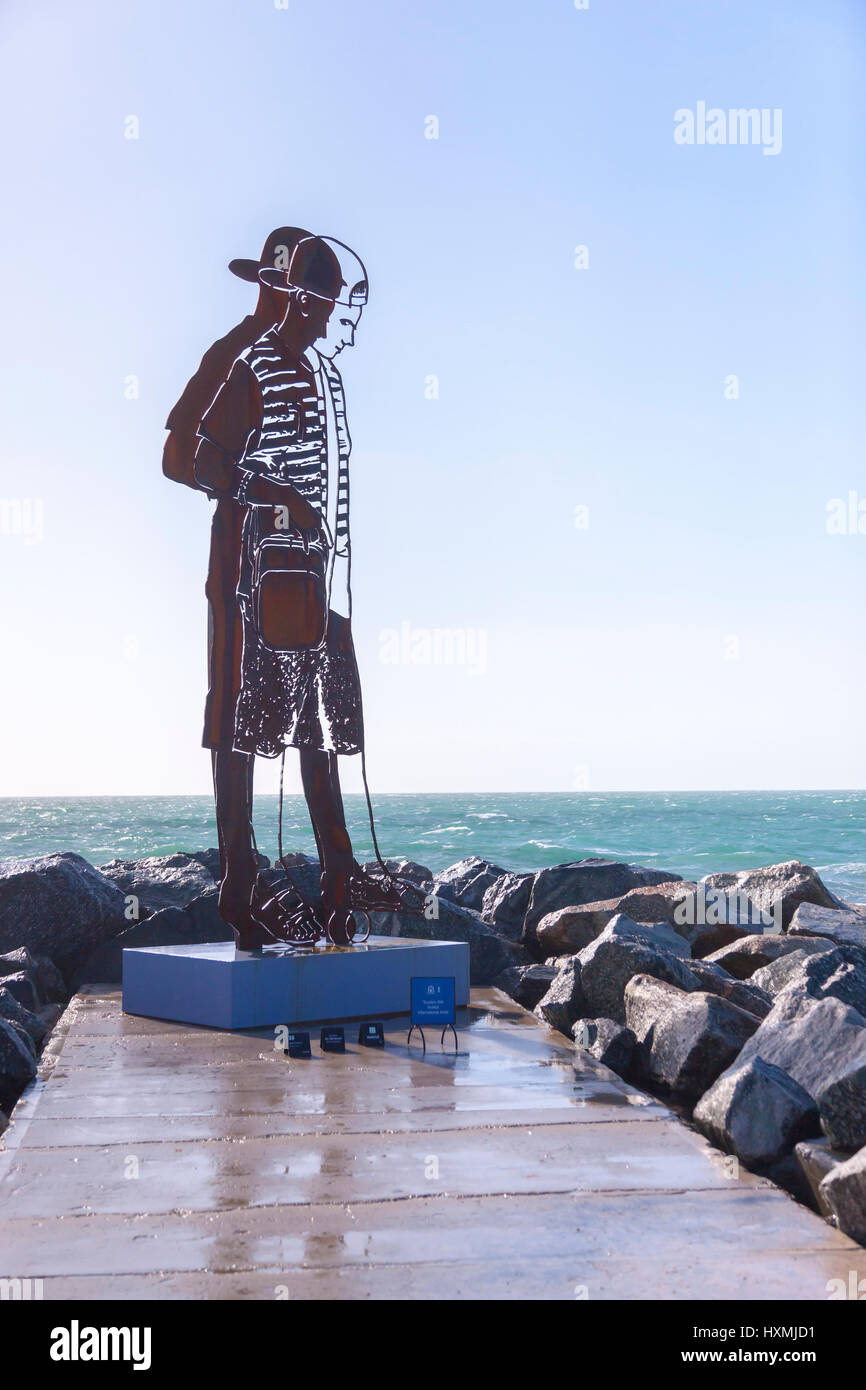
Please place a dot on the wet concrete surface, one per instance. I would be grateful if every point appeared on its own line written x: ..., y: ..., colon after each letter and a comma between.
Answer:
x: 159, y: 1160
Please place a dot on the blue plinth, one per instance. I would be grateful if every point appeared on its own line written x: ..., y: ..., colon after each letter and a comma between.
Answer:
x: 221, y: 987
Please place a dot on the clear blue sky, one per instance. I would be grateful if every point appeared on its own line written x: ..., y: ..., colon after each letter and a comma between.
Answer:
x: 705, y: 630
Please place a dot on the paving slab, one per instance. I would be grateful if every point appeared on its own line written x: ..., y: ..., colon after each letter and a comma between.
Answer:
x: 158, y: 1160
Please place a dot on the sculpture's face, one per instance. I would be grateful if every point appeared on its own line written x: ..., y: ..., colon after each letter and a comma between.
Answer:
x: 340, y: 329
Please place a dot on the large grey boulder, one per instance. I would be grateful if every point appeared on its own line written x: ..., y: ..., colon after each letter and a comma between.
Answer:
x: 757, y: 1112
x: 684, y: 1040
x: 778, y: 888
x: 564, y: 1001
x: 750, y: 953
x: 817, y: 1158
x: 489, y: 952
x: 17, y: 1063
x: 812, y: 1040
x: 844, y: 1192
x: 625, y: 949
x: 785, y: 970
x: 609, y: 1042
x: 842, y: 1103
x: 526, y: 984
x: 58, y: 905
x: 467, y: 881
x: 569, y: 929
x: 838, y: 973
x: 165, y: 880
x: 505, y: 903
x: 49, y: 983
x: 846, y: 926
x: 408, y: 869
x: 34, y: 1023
x: 585, y: 881
x: 22, y: 988
x: 714, y: 979
x: 198, y: 923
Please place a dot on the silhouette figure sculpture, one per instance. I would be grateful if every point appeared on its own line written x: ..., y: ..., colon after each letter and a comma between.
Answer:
x: 261, y: 428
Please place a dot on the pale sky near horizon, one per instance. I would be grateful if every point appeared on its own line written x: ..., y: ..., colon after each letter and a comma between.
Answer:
x: 629, y: 556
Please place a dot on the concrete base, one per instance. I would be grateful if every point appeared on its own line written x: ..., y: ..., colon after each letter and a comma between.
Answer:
x: 221, y: 987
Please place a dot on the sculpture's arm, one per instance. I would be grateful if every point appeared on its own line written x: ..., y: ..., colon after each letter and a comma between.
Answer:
x: 228, y: 428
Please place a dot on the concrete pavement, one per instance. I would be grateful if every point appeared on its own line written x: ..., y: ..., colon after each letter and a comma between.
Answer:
x: 159, y: 1160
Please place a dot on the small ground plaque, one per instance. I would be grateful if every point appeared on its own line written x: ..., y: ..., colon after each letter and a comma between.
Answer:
x: 298, y: 1044
x: 332, y: 1038
x: 371, y: 1035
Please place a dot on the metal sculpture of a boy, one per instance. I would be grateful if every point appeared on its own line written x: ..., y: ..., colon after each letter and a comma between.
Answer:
x: 261, y: 428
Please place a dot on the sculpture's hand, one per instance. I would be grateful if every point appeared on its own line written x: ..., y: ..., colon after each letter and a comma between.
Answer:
x: 304, y: 515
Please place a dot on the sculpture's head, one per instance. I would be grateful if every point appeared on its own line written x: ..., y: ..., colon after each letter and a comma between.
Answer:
x: 349, y: 305
x: 276, y: 254
x: 310, y: 284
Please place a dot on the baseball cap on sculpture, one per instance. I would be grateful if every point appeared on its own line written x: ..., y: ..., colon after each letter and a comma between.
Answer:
x: 356, y: 285
x: 313, y: 268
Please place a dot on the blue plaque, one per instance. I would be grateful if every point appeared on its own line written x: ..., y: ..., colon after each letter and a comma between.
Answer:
x: 433, y: 1000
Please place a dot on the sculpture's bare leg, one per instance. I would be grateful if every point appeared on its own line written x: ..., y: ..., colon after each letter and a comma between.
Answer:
x: 322, y: 789
x: 233, y: 790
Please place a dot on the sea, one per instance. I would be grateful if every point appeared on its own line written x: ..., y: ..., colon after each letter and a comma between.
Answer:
x: 689, y: 833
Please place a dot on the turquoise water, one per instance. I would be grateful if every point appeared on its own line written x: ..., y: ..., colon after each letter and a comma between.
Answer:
x: 692, y: 833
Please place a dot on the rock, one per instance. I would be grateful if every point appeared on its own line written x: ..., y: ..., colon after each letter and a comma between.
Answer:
x: 816, y: 1159
x: 17, y: 1063
x: 48, y: 980
x: 526, y: 984
x: 776, y: 976
x: 585, y: 881
x: 844, y: 1192
x: 23, y: 989
x: 569, y: 929
x: 489, y: 953
x: 658, y: 902
x: 57, y: 905
x: 625, y: 949
x: 714, y: 979
x: 505, y: 903
x: 609, y: 1042
x: 467, y: 881
x: 812, y: 1040
x: 33, y: 1023
x: 200, y: 922
x: 839, y: 973
x: 757, y: 1112
x: 842, y: 1104
x: 847, y: 926
x: 418, y: 874
x: 778, y: 889
x: 166, y: 880
x: 750, y: 953
x: 684, y: 1040
x: 564, y: 1001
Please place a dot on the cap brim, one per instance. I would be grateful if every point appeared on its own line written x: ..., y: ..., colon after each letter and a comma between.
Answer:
x: 245, y: 270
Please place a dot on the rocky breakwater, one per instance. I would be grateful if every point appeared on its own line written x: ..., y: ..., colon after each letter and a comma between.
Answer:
x: 741, y: 998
